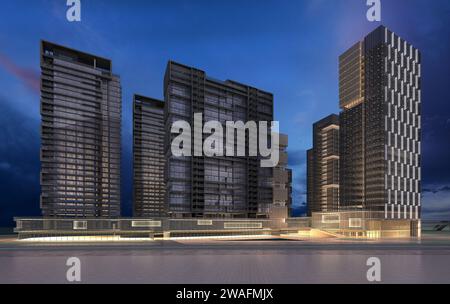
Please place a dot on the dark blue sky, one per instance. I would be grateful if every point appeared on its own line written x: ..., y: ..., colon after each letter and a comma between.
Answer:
x: 287, y: 47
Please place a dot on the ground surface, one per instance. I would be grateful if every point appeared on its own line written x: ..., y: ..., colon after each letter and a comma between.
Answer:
x: 226, y: 262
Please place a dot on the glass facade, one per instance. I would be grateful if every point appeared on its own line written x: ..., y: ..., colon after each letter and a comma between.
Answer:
x: 201, y: 186
x: 323, y: 166
x: 381, y: 134
x: 402, y: 124
x: 148, y: 157
x: 81, y: 134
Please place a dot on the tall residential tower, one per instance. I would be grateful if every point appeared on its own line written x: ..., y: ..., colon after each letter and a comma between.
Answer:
x: 81, y: 134
x: 202, y: 186
x: 323, y: 166
x: 148, y: 157
x: 380, y: 134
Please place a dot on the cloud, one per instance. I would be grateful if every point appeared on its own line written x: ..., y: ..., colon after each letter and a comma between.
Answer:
x: 19, y: 164
x: 29, y: 77
x: 5, y: 166
x: 436, y: 203
x: 296, y: 158
x: 435, y: 144
x: 436, y: 190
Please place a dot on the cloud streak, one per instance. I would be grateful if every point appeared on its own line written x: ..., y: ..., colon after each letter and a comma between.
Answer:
x: 436, y: 190
x: 436, y: 202
x: 29, y: 77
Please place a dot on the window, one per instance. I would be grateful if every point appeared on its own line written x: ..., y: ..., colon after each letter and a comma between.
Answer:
x: 146, y: 224
x: 204, y: 223
x: 243, y: 225
x: 331, y: 219
x: 80, y: 225
x: 355, y: 223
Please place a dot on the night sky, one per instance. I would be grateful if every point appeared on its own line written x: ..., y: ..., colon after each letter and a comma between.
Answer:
x: 290, y: 48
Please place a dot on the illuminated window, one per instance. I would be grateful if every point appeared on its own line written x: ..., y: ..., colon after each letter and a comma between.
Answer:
x: 80, y: 225
x: 243, y: 225
x: 204, y: 223
x: 355, y: 223
x: 330, y: 219
x: 146, y: 224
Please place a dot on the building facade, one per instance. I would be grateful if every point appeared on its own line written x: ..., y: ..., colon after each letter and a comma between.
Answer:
x: 282, y: 183
x: 149, y: 229
x: 323, y: 166
x: 81, y: 108
x: 200, y: 186
x: 380, y: 134
x: 148, y: 157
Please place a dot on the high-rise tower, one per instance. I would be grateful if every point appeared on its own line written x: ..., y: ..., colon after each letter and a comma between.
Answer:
x: 81, y: 134
x: 380, y: 134
x: 200, y: 186
x: 148, y: 157
x: 323, y: 167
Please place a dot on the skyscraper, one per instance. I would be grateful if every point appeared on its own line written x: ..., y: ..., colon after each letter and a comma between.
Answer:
x: 323, y: 166
x: 148, y: 157
x: 81, y: 134
x: 201, y: 186
x: 380, y: 135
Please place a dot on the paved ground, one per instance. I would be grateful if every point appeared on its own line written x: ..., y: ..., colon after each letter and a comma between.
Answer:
x: 243, y: 261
